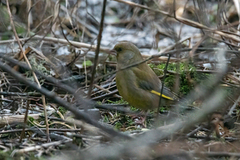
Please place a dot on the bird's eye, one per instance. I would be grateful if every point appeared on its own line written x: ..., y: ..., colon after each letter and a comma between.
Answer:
x: 119, y: 49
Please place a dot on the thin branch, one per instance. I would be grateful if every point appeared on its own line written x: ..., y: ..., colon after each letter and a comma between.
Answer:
x: 25, y: 122
x: 97, y: 49
x: 165, y: 72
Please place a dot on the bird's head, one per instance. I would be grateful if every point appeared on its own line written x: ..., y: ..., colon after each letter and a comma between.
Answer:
x: 126, y: 53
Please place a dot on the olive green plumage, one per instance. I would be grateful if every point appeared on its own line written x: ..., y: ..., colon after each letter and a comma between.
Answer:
x: 138, y: 85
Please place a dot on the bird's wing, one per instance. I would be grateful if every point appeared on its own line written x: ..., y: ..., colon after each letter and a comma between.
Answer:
x: 167, y: 93
x: 147, y: 80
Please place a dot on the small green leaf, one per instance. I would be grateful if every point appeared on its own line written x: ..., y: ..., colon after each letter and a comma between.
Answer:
x: 87, y: 63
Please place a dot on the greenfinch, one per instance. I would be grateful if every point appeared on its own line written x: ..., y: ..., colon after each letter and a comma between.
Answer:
x: 138, y: 85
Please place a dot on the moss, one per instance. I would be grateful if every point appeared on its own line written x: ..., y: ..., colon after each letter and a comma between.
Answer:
x: 188, y: 77
x: 38, y: 65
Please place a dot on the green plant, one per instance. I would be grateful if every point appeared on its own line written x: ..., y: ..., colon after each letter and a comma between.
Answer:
x: 188, y: 77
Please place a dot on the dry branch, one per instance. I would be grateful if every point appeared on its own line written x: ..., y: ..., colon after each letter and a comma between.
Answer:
x: 10, y: 119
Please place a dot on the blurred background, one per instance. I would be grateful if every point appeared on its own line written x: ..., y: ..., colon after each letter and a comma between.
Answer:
x: 59, y: 98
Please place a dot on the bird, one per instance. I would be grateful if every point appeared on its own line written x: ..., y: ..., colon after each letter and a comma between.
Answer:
x: 138, y: 85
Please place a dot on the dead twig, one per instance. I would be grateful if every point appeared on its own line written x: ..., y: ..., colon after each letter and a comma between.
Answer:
x: 97, y: 49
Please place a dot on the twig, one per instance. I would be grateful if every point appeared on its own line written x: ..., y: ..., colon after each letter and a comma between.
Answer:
x: 97, y: 49
x: 20, y: 94
x: 37, y: 147
x: 165, y: 72
x: 234, y: 106
x: 59, y: 40
x: 15, y: 118
x: 34, y: 129
x: 25, y: 122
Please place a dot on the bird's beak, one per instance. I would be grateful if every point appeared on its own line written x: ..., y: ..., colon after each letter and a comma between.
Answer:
x: 113, y: 52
